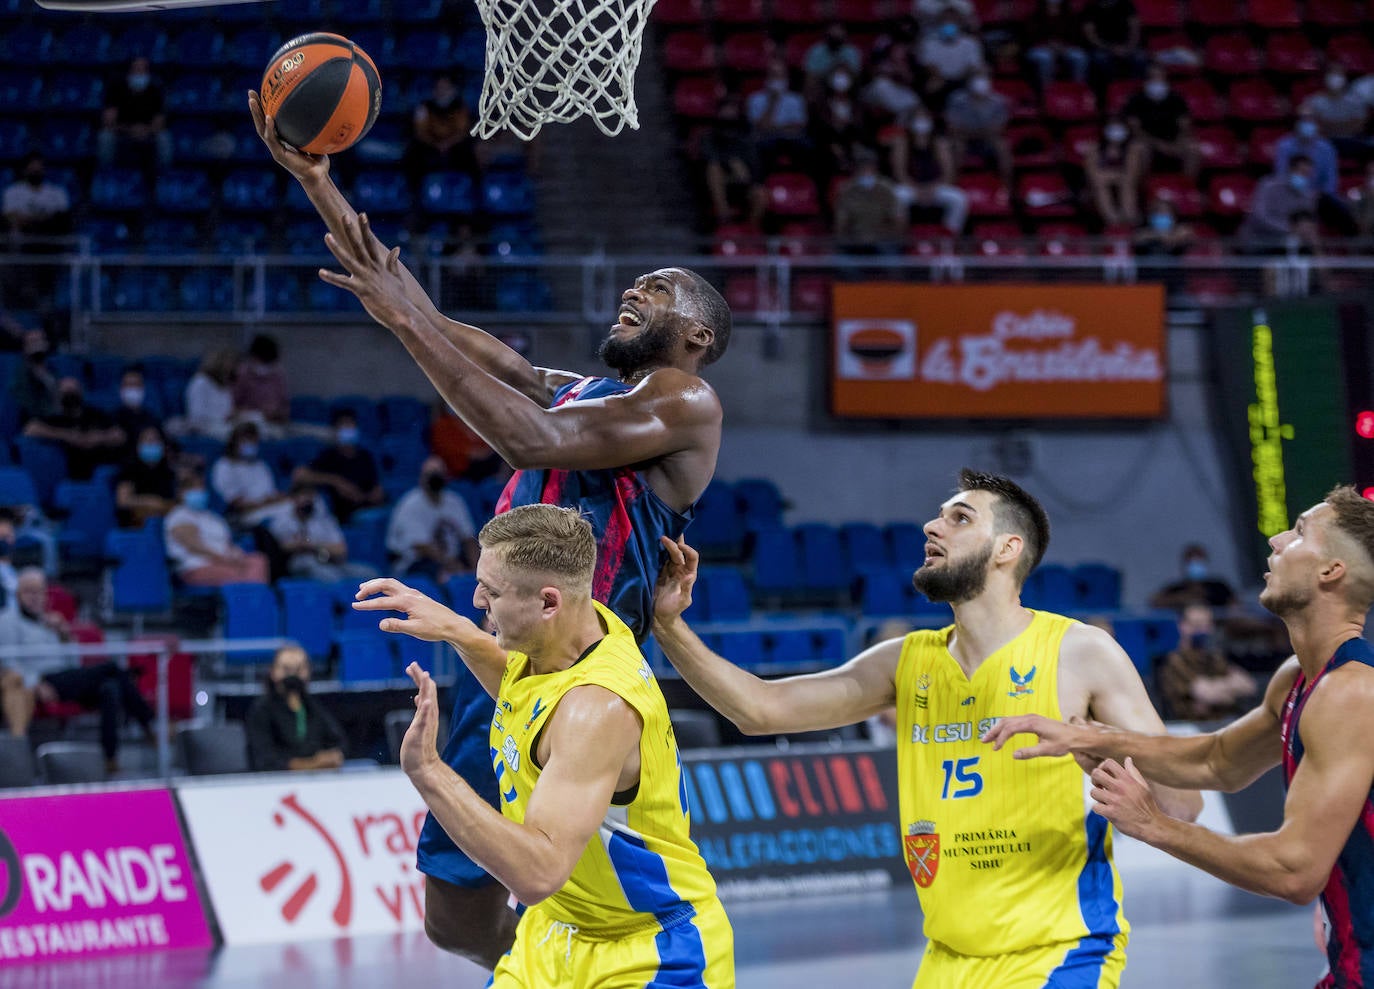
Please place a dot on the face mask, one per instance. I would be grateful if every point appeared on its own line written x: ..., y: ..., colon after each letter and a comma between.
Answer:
x: 1307, y: 128
x: 292, y: 685
x: 1162, y: 222
x: 865, y: 181
x: 1196, y: 569
x: 922, y: 126
x: 34, y: 179
x: 6, y: 548
x: 1298, y: 181
x: 306, y: 509
x: 981, y: 86
x: 434, y: 482
x: 445, y: 101
x: 1200, y: 640
x: 199, y: 499
x: 150, y: 453
x: 840, y: 82
x: 777, y: 85
x: 348, y: 436
x: 949, y: 31
x: 1156, y: 90
x: 131, y: 397
x: 1335, y: 81
x: 71, y: 402
x: 138, y: 81
x: 1116, y: 133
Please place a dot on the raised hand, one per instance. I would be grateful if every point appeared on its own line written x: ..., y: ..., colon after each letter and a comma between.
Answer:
x: 420, y: 746
x: 673, y: 593
x: 305, y: 167
x: 425, y: 619
x: 371, y: 272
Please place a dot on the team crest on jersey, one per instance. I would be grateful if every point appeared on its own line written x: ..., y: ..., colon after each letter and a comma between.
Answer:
x: 923, y: 691
x: 921, y: 845
x: 511, y: 753
x: 539, y: 709
x: 1021, y: 684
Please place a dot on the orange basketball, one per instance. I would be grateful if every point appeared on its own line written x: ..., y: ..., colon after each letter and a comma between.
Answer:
x: 323, y: 91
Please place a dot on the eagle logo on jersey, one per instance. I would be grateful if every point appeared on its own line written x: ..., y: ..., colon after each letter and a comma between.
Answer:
x: 922, y: 688
x: 538, y: 710
x: 1021, y: 684
x: 921, y: 846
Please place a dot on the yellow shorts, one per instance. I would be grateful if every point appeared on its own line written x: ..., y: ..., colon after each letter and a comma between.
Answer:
x: 696, y: 953
x: 1092, y: 963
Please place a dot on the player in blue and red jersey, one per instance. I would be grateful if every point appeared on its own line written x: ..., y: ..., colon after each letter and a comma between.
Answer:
x: 1317, y: 719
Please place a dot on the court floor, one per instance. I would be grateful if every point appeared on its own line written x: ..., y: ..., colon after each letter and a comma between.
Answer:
x: 1190, y: 932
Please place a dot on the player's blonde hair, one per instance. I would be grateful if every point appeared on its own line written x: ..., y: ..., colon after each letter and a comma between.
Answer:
x: 544, y: 540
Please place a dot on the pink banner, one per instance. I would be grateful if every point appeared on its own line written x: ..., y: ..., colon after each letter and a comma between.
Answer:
x: 95, y: 874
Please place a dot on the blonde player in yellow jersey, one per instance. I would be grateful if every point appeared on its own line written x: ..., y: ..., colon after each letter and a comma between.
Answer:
x: 592, y: 835
x: 1014, y: 874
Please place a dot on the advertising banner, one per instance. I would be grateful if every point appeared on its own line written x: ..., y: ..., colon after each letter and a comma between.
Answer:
x: 289, y: 858
x: 998, y: 351
x: 808, y: 820
x: 95, y: 874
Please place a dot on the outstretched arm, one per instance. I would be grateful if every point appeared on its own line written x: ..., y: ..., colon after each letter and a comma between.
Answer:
x: 858, y: 689
x: 1325, y: 799
x: 429, y: 620
x: 1230, y: 759
x: 591, y: 735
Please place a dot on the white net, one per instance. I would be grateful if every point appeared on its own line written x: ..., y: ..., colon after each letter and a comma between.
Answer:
x: 556, y: 60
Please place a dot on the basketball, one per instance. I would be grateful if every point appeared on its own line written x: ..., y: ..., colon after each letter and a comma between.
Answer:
x: 323, y: 91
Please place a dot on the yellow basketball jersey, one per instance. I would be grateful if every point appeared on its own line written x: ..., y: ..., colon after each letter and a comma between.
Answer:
x: 1005, y: 853
x: 642, y: 869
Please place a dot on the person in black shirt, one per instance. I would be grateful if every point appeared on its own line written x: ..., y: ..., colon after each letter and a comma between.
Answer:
x: 287, y: 728
x: 133, y: 120
x: 1198, y: 586
x: 1159, y: 116
x: 733, y: 170
x: 345, y: 470
x: 86, y: 434
x: 133, y: 415
x: 441, y: 135
x: 146, y: 485
x: 1112, y: 31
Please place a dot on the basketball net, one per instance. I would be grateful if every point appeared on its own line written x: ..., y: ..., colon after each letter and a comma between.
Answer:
x: 552, y: 61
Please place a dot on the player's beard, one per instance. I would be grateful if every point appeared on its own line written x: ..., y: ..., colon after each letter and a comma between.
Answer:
x: 958, y: 580
x: 647, y: 349
x: 1283, y: 603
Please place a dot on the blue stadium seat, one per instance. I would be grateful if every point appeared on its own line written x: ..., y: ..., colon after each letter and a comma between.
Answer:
x: 144, y: 37
x: 139, y: 582
x: 207, y: 448
x: 717, y: 526
x: 250, y: 47
x: 194, y: 93
x: 1050, y: 587
x: 508, y: 194
x: 238, y: 235
x: 906, y: 544
x: 183, y: 190
x: 448, y: 194
x: 379, y: 43
x: 199, y: 45
x: 283, y: 291
x: 793, y: 647
x: 460, y: 588
x: 863, y: 545
x: 384, y: 143
x: 46, y: 464
x: 26, y: 44
x: 1097, y: 586
x: 884, y: 592
x: 1145, y: 639
x: 403, y: 415
x: 514, y: 240
x: 73, y: 91
x: 20, y: 88
x: 412, y: 650
x: 470, y: 51
x: 761, y: 502
x: 822, y: 559
x: 309, y: 408
x: 203, y: 290
x: 381, y: 192
x: 118, y: 189
x: 250, y: 190
x: 424, y: 48
x: 68, y: 140
x: 356, y: 12
x: 17, y: 487
x: 250, y: 612
x: 417, y: 12
x: 165, y: 235
x: 105, y: 370
x: 828, y: 646
x: 742, y: 648
x: 108, y: 235
x: 366, y: 536
x: 366, y: 655
x: 727, y: 593
x: 307, y: 610
x: 402, y: 455
x: 777, y: 564
x: 522, y: 291
x: 85, y: 44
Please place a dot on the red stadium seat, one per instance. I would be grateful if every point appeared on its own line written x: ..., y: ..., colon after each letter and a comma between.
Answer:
x: 749, y: 12
x: 1178, y: 190
x: 697, y: 97
x: 795, y: 48
x: 1077, y: 141
x: 1215, y: 13
x: 734, y: 240
x: 1025, y: 104
x: 1064, y: 240
x: 1119, y: 91
x: 1230, y: 195
x: 1069, y: 102
x: 791, y: 12
x: 1256, y: 101
x: 744, y: 294
x: 863, y: 11
x: 1204, y: 103
x: 1292, y: 54
x: 804, y: 239
x: 1031, y: 146
x: 987, y: 195
x: 1231, y: 55
x: 1219, y: 148
x: 1354, y: 51
x: 680, y: 12
x: 1275, y: 14
x: 998, y: 240
x: 1335, y: 13
x: 1045, y: 194
x: 1264, y: 142
x: 929, y: 241
x: 747, y: 52
x: 792, y: 194
x: 1302, y: 87
x: 811, y: 294
x: 689, y: 51
x: 1159, y: 13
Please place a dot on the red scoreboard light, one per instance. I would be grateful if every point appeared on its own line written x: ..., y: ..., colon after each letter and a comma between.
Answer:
x: 1364, y: 424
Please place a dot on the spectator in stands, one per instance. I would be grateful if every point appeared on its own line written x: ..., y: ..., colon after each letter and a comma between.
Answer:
x: 976, y: 117
x: 832, y: 52
x: 734, y: 174
x: 133, y: 123
x: 1197, y: 585
x: 260, y: 390
x: 287, y: 728
x: 1340, y: 113
x: 34, y: 388
x: 1277, y: 198
x: 243, y: 480
x: 133, y: 415
x: 777, y: 115
x: 889, y: 97
x: 33, y: 206
x: 870, y: 217
x: 950, y: 56
x: 86, y: 435
x: 199, y: 542
x: 1162, y: 235
x: 32, y: 537
x: 146, y: 486
x: 311, y: 539
x: 1112, y: 31
x: 345, y: 470
x: 930, y: 14
x: 924, y: 166
x: 9, y: 576
x: 210, y: 395
x: 431, y: 530
x: 48, y: 679
x: 1113, y: 168
x: 1362, y: 202
x: 464, y: 453
x: 441, y: 135
x: 1306, y: 140
x: 1053, y: 36
x: 1159, y: 117
x: 836, y: 127
x: 1197, y: 680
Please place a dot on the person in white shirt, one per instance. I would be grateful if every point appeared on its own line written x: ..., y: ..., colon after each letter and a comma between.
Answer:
x: 312, y: 541
x: 243, y: 480
x: 431, y: 530
x: 199, y: 542
x: 210, y: 395
x: 9, y: 577
x: 950, y: 54
x: 33, y: 205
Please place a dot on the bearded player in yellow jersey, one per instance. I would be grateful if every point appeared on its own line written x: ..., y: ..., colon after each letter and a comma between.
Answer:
x: 592, y: 835
x: 1014, y: 873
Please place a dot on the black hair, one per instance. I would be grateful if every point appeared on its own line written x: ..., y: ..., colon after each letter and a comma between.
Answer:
x: 1015, y: 510
x: 712, y: 310
x: 1297, y: 160
x: 341, y: 414
x: 264, y: 348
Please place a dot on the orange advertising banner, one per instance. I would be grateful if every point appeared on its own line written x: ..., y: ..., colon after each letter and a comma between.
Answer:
x: 998, y: 351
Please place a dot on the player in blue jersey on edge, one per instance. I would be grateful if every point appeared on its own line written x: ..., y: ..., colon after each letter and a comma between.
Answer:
x: 633, y: 453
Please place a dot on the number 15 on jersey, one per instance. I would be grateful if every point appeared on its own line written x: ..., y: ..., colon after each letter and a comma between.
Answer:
x: 962, y: 778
